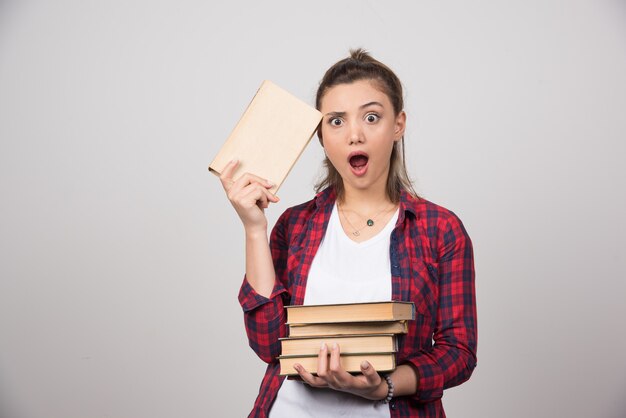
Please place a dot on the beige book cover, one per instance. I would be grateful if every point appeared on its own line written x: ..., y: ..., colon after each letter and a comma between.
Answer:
x: 347, y: 328
x: 350, y: 312
x: 270, y: 136
x: 382, y: 362
x: 383, y: 343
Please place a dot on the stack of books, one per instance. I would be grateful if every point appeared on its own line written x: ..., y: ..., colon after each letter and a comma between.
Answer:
x: 363, y: 331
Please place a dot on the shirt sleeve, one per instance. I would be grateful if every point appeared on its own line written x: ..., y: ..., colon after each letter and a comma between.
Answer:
x: 264, y: 317
x: 452, y: 358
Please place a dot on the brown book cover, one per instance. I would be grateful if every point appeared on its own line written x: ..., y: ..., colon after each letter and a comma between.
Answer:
x: 384, y: 343
x: 270, y: 136
x: 382, y: 362
x: 348, y: 328
x: 350, y: 312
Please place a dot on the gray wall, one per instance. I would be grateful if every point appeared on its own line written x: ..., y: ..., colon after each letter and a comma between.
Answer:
x: 121, y: 258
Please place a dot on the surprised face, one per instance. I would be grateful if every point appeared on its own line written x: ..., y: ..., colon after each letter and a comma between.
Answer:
x: 359, y: 130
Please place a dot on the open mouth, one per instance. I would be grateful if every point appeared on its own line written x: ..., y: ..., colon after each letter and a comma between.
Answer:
x: 358, y: 162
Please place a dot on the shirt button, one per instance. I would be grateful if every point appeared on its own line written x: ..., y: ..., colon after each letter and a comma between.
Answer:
x: 392, y: 405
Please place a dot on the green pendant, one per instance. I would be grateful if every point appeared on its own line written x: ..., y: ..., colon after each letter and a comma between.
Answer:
x: 370, y: 222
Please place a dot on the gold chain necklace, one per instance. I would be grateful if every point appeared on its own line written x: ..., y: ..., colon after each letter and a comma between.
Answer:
x: 357, y: 231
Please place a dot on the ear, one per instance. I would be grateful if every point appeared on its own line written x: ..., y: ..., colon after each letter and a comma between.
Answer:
x: 400, y: 126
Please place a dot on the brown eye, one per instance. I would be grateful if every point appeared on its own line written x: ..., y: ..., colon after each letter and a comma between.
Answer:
x: 335, y: 122
x: 372, y: 117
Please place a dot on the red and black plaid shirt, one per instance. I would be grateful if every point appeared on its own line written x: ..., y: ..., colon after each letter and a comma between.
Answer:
x: 431, y: 264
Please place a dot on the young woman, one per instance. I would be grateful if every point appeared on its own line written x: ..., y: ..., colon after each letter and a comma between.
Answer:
x: 366, y: 236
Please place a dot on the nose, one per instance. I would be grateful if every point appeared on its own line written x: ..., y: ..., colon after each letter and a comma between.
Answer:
x: 356, y: 134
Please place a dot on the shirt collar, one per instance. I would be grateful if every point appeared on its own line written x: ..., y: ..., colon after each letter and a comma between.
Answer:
x: 408, y: 203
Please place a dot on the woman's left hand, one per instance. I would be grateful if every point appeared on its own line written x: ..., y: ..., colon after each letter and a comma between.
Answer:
x: 330, y: 374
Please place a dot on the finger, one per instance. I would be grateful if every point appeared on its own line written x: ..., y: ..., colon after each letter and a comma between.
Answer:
x: 269, y: 196
x: 308, y: 377
x: 262, y: 202
x: 272, y: 197
x: 226, y: 177
x: 322, y: 362
x: 371, y: 376
x: 255, y: 194
x: 251, y: 195
x: 248, y: 178
x: 335, y: 370
x: 239, y: 190
x: 335, y: 357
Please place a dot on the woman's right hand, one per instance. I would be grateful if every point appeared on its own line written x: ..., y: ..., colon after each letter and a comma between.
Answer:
x: 249, y: 195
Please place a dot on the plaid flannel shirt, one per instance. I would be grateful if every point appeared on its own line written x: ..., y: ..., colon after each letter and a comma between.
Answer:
x: 431, y: 264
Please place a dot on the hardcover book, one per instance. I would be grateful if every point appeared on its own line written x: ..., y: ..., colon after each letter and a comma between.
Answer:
x: 382, y: 362
x: 270, y: 136
x: 385, y: 343
x: 350, y: 328
x: 350, y: 312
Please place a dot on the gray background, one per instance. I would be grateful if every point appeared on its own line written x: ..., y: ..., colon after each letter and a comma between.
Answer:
x: 121, y: 258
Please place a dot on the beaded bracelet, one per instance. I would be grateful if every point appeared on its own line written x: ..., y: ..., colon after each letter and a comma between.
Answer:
x: 389, y: 390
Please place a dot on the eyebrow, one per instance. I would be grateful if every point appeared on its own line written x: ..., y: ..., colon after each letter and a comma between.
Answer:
x: 340, y: 114
x: 370, y: 104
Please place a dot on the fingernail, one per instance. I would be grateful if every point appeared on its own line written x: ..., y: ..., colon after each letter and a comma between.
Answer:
x: 297, y: 367
x: 234, y: 160
x: 335, y: 346
x: 365, y: 365
x: 323, y: 346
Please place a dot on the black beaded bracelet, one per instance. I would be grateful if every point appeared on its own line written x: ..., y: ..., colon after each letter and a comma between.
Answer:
x: 389, y: 389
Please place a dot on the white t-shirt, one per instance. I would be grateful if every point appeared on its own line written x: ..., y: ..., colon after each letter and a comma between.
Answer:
x: 343, y: 271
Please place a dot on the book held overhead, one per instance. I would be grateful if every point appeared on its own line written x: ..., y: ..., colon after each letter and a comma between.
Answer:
x: 270, y: 136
